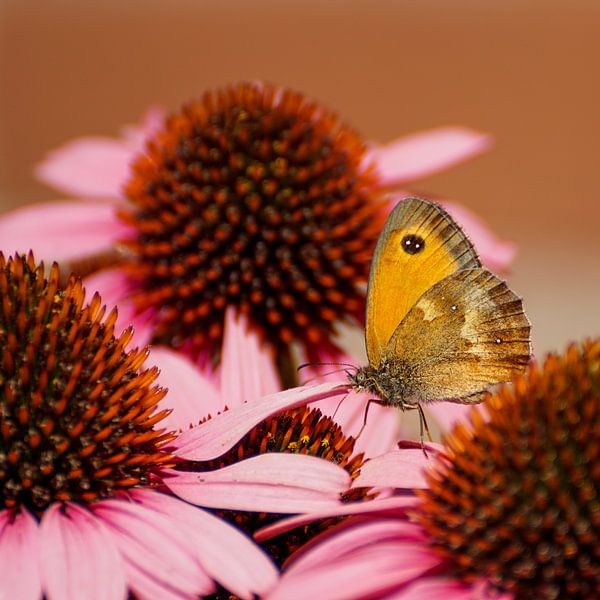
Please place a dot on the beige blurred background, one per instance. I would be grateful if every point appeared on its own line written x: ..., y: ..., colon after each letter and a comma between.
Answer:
x: 524, y: 70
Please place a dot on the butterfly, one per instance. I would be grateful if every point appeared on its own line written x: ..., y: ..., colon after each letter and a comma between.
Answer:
x: 439, y: 326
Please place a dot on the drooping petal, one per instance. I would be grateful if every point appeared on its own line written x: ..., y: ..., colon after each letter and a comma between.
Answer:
x: 371, y: 572
x: 19, y: 549
x: 495, y: 253
x: 92, y: 167
x: 280, y: 483
x: 159, y: 556
x: 228, y: 555
x: 219, y: 434
x: 424, y: 153
x: 396, y: 505
x: 192, y: 396
x: 400, y: 469
x: 79, y: 558
x: 61, y: 230
x: 247, y: 367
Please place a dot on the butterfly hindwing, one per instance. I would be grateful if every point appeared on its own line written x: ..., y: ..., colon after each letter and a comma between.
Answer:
x: 465, y: 333
x: 419, y: 245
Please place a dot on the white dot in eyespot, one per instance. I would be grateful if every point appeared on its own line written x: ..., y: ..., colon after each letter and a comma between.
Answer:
x: 453, y: 307
x: 498, y: 341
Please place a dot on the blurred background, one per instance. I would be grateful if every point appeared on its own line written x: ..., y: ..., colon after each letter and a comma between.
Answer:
x: 525, y: 71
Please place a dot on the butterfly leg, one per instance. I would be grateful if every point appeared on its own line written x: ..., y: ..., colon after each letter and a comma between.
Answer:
x: 423, y: 427
x: 369, y: 402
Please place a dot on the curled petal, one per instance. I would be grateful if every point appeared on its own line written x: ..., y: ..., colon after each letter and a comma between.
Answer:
x: 247, y: 368
x: 227, y: 555
x: 79, y: 558
x: 219, y: 434
x: 61, y: 230
x: 92, y: 167
x: 424, y: 153
x: 281, y: 483
x: 19, y: 550
x: 396, y: 506
x: 135, y: 136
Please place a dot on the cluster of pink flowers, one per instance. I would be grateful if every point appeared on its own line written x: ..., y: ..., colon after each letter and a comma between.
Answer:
x: 167, y: 539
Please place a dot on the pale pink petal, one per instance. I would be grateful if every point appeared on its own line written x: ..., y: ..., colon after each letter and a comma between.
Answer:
x: 159, y: 556
x: 114, y: 286
x: 396, y: 505
x: 399, y: 469
x: 276, y: 482
x: 447, y: 414
x: 247, y: 367
x: 92, y: 167
x: 19, y: 565
x: 495, y: 253
x: 226, y: 553
x: 434, y: 588
x: 78, y: 557
x: 424, y: 153
x: 191, y: 396
x: 219, y: 434
x: 368, y: 573
x: 59, y: 231
x: 135, y: 136
x: 352, y: 536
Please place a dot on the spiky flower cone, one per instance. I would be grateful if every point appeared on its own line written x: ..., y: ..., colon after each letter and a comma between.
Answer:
x: 517, y: 500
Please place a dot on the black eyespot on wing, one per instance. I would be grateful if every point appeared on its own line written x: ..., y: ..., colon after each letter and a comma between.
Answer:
x: 412, y: 243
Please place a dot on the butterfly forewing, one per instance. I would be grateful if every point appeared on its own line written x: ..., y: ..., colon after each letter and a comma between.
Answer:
x: 419, y: 245
x: 465, y: 333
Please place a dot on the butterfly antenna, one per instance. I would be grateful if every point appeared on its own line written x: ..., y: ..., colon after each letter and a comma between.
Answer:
x: 325, y: 364
x: 423, y: 427
x: 325, y: 375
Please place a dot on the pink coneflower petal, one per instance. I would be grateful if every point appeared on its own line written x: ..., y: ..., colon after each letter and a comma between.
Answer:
x: 247, y: 368
x: 192, y: 395
x: 418, y: 155
x: 434, y: 588
x: 113, y: 286
x: 447, y: 414
x: 400, y: 469
x: 19, y: 551
x: 160, y: 560
x: 79, y: 558
x: 92, y: 167
x: 495, y: 253
x: 135, y: 136
x: 219, y: 434
x: 61, y: 230
x: 370, y: 573
x: 348, y: 536
x: 394, y: 505
x: 280, y: 483
x: 231, y: 558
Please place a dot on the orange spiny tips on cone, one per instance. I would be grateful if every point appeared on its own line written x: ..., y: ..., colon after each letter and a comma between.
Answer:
x: 77, y: 412
x: 517, y: 500
x: 303, y: 431
x: 258, y: 198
